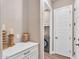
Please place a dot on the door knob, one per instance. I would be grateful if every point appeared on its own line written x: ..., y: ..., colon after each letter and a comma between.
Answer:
x: 56, y: 37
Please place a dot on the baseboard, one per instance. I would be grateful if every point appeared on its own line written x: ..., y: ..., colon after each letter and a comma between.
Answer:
x: 73, y: 57
x: 53, y: 52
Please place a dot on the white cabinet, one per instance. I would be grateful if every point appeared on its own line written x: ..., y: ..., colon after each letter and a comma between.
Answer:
x: 46, y: 21
x: 22, y: 51
x: 34, y: 55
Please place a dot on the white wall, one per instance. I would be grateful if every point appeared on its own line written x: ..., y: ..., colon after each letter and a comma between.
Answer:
x: 12, y: 15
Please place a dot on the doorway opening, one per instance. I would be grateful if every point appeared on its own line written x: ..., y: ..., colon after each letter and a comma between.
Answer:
x: 57, y: 28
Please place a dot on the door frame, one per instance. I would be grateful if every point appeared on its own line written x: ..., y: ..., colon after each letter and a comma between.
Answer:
x: 51, y: 20
x: 42, y: 31
x: 42, y: 28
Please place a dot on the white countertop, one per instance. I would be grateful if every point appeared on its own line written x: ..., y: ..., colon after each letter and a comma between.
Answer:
x: 17, y: 47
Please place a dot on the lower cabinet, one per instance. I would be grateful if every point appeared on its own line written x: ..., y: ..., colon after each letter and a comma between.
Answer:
x: 31, y: 53
x: 34, y: 55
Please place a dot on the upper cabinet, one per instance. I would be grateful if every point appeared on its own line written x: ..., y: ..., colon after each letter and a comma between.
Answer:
x: 46, y: 21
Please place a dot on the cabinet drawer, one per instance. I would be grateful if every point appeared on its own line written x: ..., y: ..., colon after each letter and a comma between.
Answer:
x: 30, y: 50
x: 24, y: 53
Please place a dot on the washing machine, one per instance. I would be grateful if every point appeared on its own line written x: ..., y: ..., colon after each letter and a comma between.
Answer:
x: 46, y: 39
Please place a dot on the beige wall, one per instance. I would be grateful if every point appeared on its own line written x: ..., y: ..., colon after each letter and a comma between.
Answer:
x: 22, y: 16
x: 0, y: 32
x: 0, y: 27
x: 34, y: 20
x: 31, y: 18
x: 12, y: 15
x: 25, y: 15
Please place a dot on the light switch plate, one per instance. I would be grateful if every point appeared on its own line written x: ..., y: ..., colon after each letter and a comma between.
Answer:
x: 18, y: 35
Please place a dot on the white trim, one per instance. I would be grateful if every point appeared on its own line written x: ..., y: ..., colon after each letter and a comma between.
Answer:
x: 46, y: 1
x: 53, y: 52
x: 60, y: 53
x: 51, y: 38
x: 41, y: 30
x: 50, y: 8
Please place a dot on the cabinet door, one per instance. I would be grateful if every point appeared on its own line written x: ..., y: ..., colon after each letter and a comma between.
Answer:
x: 34, y: 55
x: 25, y: 57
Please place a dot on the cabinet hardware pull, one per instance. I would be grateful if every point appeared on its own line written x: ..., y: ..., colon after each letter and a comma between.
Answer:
x: 26, y: 52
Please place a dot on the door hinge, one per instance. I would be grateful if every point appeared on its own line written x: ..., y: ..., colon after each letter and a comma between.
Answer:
x: 74, y: 38
x: 74, y: 53
x: 74, y: 24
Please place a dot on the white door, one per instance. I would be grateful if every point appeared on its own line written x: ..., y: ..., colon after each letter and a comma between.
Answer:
x: 63, y: 30
x: 76, y: 5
